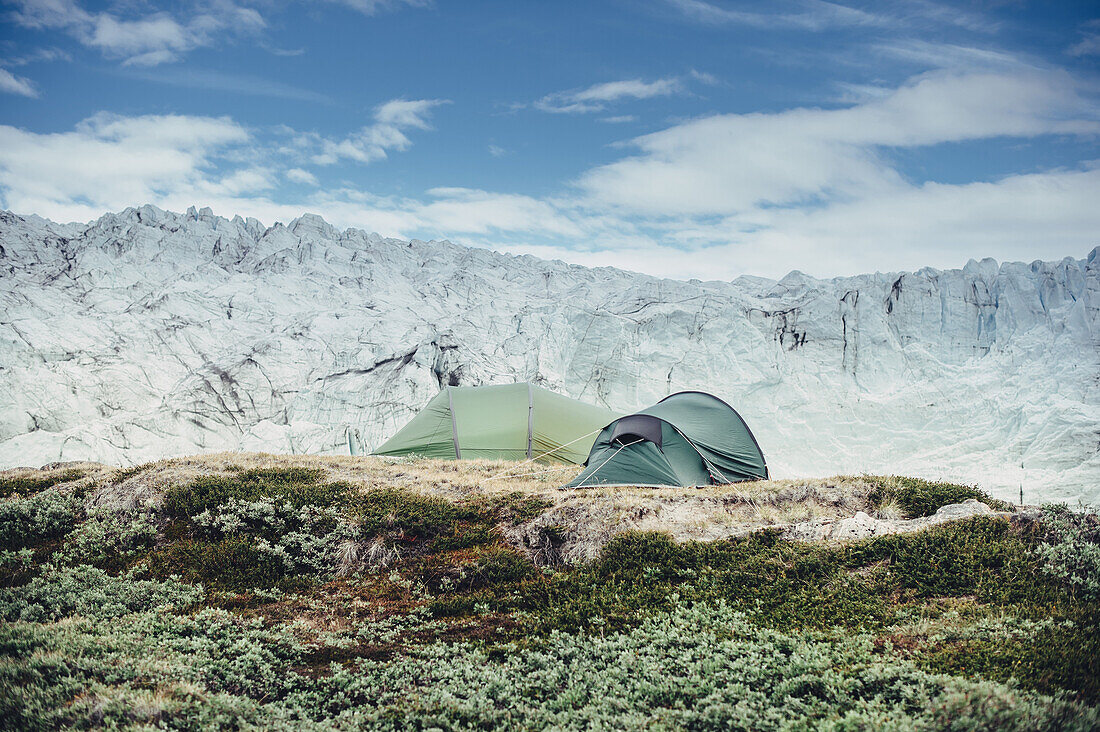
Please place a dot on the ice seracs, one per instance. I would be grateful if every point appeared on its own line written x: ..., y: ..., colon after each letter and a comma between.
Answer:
x: 147, y: 333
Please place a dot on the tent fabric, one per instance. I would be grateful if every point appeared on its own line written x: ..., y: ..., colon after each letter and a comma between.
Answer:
x: 703, y: 441
x: 501, y: 422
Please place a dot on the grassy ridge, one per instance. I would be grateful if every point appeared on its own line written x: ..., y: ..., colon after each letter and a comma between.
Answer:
x: 276, y: 597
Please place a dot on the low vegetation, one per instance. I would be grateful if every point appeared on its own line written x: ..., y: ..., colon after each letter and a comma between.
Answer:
x: 303, y: 593
x: 25, y: 484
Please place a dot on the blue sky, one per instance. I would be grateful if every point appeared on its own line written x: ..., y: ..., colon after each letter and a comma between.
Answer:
x: 688, y: 138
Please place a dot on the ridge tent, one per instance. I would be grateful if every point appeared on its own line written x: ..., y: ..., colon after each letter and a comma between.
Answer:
x: 689, y: 438
x: 506, y: 422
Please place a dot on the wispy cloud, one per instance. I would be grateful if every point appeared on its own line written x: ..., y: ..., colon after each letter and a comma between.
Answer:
x: 813, y: 15
x: 198, y: 78
x: 704, y: 77
x: 372, y: 7
x: 37, y: 56
x: 917, y: 14
x: 820, y: 15
x: 148, y: 40
x: 297, y: 175
x: 597, y: 97
x: 387, y: 133
x: 1089, y: 45
x: 939, y: 55
x: 12, y: 84
x: 285, y: 52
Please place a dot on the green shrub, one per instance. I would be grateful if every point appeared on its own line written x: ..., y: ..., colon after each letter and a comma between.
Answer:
x: 781, y: 584
x: 63, y: 591
x: 234, y: 563
x: 498, y: 567
x: 464, y: 535
x: 42, y: 517
x: 109, y: 539
x: 150, y: 669
x: 516, y: 507
x: 793, y: 585
x: 1050, y: 659
x: 982, y: 556
x: 305, y: 539
x: 1070, y: 549
x: 918, y: 497
x: 702, y: 667
x: 16, y: 567
x: 297, y: 486
x: 395, y: 510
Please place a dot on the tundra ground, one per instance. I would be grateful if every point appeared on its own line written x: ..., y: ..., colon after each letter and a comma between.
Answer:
x: 246, y: 591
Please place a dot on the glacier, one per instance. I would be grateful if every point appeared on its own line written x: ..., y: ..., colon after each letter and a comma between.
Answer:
x: 148, y: 334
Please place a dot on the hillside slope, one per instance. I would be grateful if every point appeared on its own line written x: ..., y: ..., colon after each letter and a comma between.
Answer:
x: 278, y: 592
x: 148, y: 334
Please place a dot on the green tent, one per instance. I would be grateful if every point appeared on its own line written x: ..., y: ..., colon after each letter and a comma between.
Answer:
x: 686, y: 439
x: 507, y: 422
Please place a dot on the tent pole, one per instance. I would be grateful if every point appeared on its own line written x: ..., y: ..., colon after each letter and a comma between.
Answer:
x: 454, y: 424
x: 530, y: 417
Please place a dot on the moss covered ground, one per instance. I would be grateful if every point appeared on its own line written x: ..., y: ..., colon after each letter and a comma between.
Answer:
x: 296, y: 594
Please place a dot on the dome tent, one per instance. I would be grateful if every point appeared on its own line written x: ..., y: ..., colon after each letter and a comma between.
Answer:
x: 689, y: 438
x: 505, y: 422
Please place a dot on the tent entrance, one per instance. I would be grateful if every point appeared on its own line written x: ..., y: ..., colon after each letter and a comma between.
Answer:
x: 637, y: 427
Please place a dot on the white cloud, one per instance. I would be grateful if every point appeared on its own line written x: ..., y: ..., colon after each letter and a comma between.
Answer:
x: 12, y: 84
x: 49, y: 13
x: 371, y: 7
x: 1089, y: 45
x: 146, y: 41
x: 240, y: 182
x: 406, y: 112
x: 297, y: 175
x: 497, y: 151
x: 1025, y: 217
x: 158, y: 33
x: 938, y: 55
x: 820, y: 15
x: 472, y: 211
x: 815, y: 15
x: 806, y: 188
x: 619, y: 119
x: 738, y: 162
x: 704, y: 77
x: 1046, y: 215
x: 108, y: 162
x: 596, y: 97
x: 387, y: 133
x: 37, y: 56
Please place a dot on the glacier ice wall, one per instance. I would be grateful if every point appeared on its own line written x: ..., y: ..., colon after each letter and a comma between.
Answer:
x: 148, y: 334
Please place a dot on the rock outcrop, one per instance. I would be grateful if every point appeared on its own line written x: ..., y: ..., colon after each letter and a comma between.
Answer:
x: 864, y: 526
